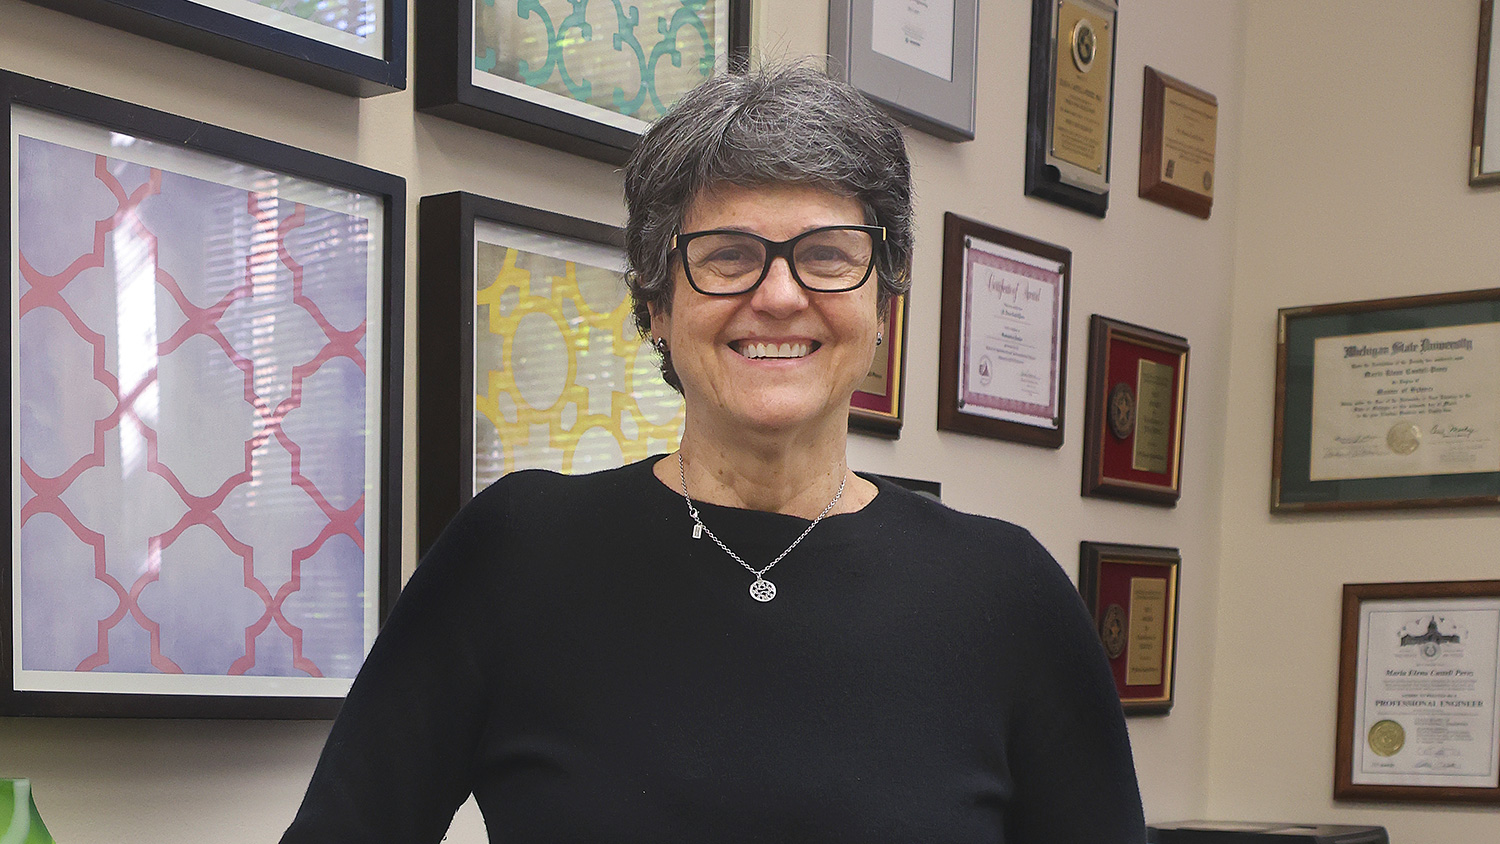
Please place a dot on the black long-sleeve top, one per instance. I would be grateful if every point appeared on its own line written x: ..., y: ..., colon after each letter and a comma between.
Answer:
x: 569, y: 653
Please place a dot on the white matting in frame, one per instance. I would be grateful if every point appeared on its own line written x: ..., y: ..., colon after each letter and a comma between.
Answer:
x: 355, y: 25
x: 192, y: 383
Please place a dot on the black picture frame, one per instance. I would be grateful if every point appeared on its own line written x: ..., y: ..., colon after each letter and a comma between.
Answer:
x: 1044, y: 178
x: 382, y: 447
x: 454, y: 458
x: 444, y: 87
x: 264, y: 46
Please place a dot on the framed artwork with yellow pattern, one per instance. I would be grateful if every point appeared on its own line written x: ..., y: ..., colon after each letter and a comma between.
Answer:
x: 529, y: 355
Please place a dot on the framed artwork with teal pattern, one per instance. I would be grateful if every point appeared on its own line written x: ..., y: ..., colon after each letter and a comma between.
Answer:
x: 586, y: 76
x: 528, y: 353
x: 353, y: 47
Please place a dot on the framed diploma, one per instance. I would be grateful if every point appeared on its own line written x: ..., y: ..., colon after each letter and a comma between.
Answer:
x: 203, y: 415
x: 914, y: 59
x: 588, y: 80
x: 1179, y: 130
x: 1004, y: 347
x: 1419, y: 682
x: 350, y: 46
x: 1484, y: 151
x: 876, y: 406
x: 1388, y: 403
x: 529, y: 356
x: 1070, y: 105
x: 1137, y: 392
x: 1131, y: 593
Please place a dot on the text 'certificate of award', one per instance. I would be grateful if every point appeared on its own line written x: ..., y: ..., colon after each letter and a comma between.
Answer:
x: 1426, y: 695
x: 917, y: 33
x: 1404, y: 403
x: 1011, y: 329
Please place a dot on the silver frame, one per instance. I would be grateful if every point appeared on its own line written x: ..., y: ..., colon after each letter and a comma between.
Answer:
x: 944, y: 109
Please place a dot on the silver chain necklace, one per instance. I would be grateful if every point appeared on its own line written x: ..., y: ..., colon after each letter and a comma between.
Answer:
x: 761, y: 590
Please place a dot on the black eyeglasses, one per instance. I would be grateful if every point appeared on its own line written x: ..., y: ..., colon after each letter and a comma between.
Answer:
x: 830, y: 259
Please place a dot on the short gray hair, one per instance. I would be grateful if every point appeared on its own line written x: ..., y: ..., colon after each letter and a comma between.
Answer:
x: 786, y: 124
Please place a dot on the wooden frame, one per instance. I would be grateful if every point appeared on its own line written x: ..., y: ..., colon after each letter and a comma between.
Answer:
x: 1131, y: 592
x: 877, y: 406
x: 938, y: 98
x: 499, y: 283
x: 452, y: 81
x: 1484, y: 147
x: 1418, y: 666
x: 1010, y: 263
x: 1401, y: 363
x: 249, y: 33
x: 1179, y: 128
x: 1133, y: 416
x: 167, y: 494
x: 1076, y: 173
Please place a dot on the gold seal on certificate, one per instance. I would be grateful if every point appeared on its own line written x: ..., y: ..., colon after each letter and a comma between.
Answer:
x: 1112, y: 631
x: 1121, y: 411
x: 1403, y: 438
x: 1387, y: 738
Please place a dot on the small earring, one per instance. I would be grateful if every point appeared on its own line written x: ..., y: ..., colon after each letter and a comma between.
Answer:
x: 879, y: 337
x: 660, y: 344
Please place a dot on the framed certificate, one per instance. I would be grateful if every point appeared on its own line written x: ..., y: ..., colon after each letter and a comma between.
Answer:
x: 203, y: 419
x: 1419, y: 682
x: 549, y: 72
x: 876, y: 406
x: 1484, y: 151
x: 1179, y: 132
x: 1131, y: 593
x: 915, y: 59
x: 1003, y: 357
x: 1070, y: 105
x: 1388, y: 403
x: 350, y: 46
x: 529, y: 356
x: 1137, y: 393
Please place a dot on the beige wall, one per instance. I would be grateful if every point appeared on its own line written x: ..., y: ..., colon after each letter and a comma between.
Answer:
x: 1218, y: 282
x: 1353, y: 186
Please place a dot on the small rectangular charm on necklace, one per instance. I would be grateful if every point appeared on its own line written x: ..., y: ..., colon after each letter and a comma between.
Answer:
x: 697, y: 531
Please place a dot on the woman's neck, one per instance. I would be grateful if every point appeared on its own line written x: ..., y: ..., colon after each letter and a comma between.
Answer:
x: 791, y: 476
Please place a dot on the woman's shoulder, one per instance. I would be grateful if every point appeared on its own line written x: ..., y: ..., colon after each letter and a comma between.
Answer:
x: 529, y: 488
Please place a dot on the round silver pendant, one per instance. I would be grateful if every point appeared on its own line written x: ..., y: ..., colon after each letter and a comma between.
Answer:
x: 762, y: 590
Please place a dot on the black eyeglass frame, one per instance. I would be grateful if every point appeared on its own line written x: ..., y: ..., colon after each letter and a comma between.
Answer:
x: 779, y: 249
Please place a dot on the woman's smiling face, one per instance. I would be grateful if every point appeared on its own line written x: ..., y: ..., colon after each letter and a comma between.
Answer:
x: 779, y: 358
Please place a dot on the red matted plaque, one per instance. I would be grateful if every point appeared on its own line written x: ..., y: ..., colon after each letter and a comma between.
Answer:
x: 1131, y: 593
x: 1134, y: 410
x: 875, y: 407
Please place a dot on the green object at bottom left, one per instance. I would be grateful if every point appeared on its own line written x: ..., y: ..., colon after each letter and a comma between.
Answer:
x: 19, y: 821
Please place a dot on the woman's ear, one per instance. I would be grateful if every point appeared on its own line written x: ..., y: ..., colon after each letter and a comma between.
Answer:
x: 661, y: 320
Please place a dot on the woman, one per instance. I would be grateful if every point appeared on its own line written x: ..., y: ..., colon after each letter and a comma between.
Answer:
x: 744, y: 640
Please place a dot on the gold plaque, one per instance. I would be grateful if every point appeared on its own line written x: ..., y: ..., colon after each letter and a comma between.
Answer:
x: 1081, y: 85
x: 1153, y: 418
x: 1147, y: 631
x: 1189, y: 136
x: 1387, y: 738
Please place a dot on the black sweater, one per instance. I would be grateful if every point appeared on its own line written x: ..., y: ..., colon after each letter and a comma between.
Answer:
x: 571, y: 655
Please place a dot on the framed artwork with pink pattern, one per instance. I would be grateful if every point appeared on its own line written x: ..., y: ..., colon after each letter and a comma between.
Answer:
x: 203, y: 342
